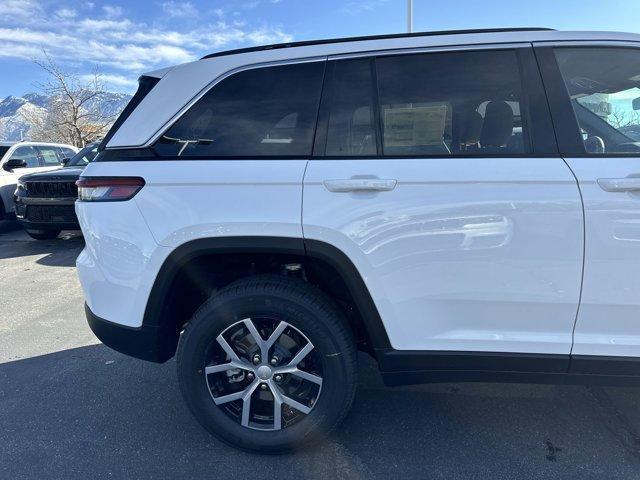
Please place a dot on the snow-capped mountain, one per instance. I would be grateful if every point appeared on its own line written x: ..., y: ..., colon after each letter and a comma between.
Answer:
x: 14, y: 111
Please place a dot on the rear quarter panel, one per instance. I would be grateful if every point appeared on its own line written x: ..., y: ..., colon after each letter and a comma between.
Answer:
x: 127, y: 242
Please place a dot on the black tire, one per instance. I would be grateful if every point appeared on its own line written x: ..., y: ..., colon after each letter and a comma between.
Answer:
x: 43, y: 234
x: 302, y: 306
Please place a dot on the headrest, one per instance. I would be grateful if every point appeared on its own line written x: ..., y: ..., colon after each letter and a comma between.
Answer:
x: 498, y: 125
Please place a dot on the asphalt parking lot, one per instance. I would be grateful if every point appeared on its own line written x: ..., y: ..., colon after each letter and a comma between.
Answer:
x: 72, y: 408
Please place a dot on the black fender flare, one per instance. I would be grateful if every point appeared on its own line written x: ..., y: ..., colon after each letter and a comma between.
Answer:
x: 315, y: 249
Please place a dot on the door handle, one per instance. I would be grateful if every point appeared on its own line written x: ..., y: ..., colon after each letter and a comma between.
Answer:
x: 360, y: 184
x: 628, y: 184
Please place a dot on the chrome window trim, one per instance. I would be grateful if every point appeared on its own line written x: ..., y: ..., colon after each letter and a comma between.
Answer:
x: 586, y: 43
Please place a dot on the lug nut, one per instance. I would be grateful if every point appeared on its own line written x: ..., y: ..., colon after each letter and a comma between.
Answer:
x: 274, y: 360
x: 250, y: 375
x: 263, y: 386
x: 256, y: 359
x: 278, y: 378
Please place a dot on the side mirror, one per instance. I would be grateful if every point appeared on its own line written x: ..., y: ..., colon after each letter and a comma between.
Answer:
x: 64, y: 161
x: 14, y: 163
x: 635, y: 104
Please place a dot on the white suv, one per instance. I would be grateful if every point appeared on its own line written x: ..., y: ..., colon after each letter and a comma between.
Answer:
x: 20, y: 158
x: 463, y: 206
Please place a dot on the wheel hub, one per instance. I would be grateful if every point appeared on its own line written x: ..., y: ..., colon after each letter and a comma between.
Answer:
x: 264, y: 372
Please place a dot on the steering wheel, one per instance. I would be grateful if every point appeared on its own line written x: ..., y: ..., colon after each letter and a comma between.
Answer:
x: 594, y: 144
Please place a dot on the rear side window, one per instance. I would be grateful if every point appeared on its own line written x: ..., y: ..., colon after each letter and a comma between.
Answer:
x: 604, y: 87
x: 260, y: 112
x: 451, y: 104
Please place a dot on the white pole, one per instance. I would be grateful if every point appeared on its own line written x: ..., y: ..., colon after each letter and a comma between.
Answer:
x: 410, y: 16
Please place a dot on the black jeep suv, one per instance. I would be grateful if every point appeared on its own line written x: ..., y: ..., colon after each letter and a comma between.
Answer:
x: 45, y: 201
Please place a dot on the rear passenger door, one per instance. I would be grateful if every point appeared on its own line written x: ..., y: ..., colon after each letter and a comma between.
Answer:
x: 437, y: 173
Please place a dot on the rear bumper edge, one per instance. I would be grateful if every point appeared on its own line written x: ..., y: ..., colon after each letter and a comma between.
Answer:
x: 151, y: 343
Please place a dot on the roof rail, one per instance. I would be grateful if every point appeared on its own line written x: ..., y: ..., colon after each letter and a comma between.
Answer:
x: 370, y: 37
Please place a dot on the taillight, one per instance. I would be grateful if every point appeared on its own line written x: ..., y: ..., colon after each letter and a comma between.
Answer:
x: 108, y: 189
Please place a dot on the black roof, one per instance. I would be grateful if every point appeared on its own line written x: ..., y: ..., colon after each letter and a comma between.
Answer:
x: 370, y: 37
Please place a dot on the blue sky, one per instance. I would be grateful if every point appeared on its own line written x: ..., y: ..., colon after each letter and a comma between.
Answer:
x: 125, y: 38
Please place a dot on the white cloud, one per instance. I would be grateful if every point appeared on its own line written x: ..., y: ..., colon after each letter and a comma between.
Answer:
x: 66, y: 13
x: 120, y: 46
x: 113, y: 80
x: 360, y: 6
x: 255, y: 3
x: 20, y: 11
x: 112, y: 11
x: 179, y: 9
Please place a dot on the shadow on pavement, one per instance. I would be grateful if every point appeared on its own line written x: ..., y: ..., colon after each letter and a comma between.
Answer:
x: 92, y: 413
x: 7, y: 226
x: 59, y: 252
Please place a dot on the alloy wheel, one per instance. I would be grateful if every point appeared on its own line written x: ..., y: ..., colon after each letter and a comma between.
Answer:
x: 264, y: 373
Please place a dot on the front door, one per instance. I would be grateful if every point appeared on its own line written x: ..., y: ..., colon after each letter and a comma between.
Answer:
x: 603, y: 85
x: 432, y: 183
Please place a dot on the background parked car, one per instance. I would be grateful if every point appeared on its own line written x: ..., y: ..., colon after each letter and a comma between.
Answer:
x: 19, y: 158
x: 45, y: 200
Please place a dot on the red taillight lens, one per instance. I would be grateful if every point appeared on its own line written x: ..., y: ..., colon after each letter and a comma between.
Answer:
x: 108, y: 189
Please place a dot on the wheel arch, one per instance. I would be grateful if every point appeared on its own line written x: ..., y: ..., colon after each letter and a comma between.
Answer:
x: 190, y: 263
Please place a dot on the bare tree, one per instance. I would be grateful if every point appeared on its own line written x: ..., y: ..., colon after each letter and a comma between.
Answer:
x: 620, y: 118
x: 73, y: 115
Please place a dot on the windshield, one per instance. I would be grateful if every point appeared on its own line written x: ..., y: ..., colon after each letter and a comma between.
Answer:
x: 84, y: 156
x: 3, y: 150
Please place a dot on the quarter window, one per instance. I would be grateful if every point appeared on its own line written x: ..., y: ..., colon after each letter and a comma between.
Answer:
x: 460, y: 103
x: 260, y: 112
x: 604, y: 87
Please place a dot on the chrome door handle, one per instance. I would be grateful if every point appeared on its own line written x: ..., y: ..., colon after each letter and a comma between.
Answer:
x: 360, y: 184
x: 628, y: 184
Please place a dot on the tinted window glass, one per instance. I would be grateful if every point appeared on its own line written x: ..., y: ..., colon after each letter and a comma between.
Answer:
x: 351, y: 127
x: 50, y: 156
x: 84, y: 156
x: 3, y: 150
x: 604, y: 86
x: 28, y: 154
x: 67, y: 152
x: 451, y: 103
x: 259, y: 112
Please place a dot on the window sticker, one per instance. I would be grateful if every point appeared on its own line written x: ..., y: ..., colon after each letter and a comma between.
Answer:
x: 414, y: 125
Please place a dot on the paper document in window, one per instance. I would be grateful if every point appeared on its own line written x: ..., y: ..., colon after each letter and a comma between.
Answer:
x: 416, y: 125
